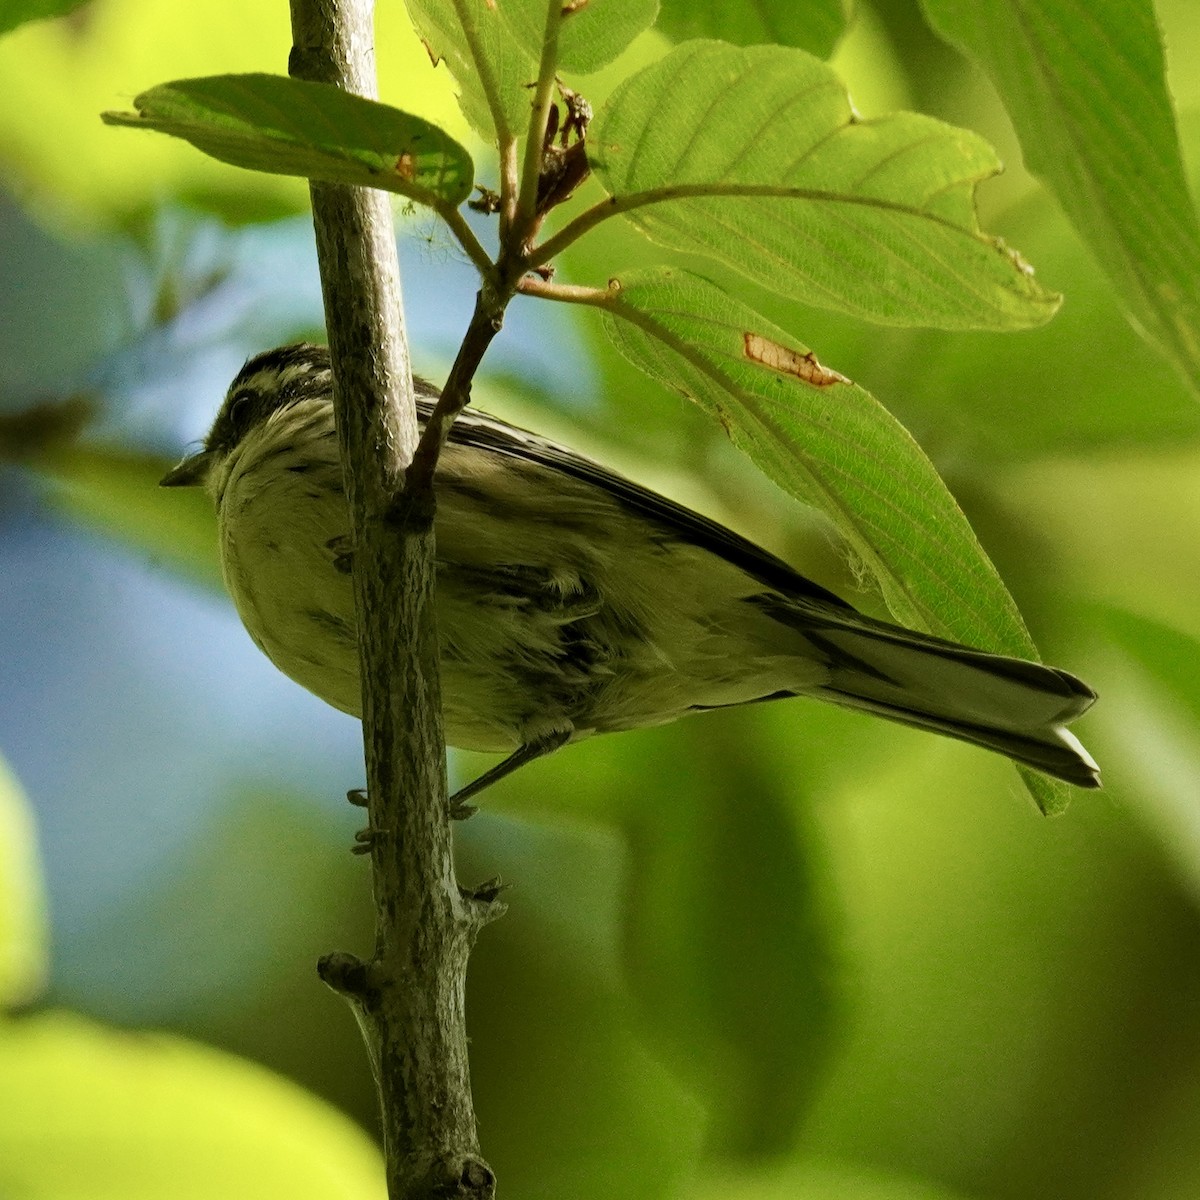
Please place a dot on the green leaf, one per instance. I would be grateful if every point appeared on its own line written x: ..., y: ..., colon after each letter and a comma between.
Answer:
x: 755, y: 157
x: 596, y: 34
x: 1083, y: 82
x: 825, y: 440
x: 87, y: 175
x: 1045, y: 393
x: 596, y: 1102
x: 493, y: 50
x: 812, y: 25
x: 24, y: 927
x: 491, y: 65
x: 110, y: 1114
x: 292, y: 127
x: 17, y: 12
x: 1170, y: 657
x: 981, y: 401
x: 1152, y: 718
x: 589, y: 37
x: 817, y: 1179
x: 727, y: 949
x: 832, y: 444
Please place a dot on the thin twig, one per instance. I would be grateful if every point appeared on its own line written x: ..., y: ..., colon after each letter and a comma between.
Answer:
x: 456, y: 394
x: 409, y: 996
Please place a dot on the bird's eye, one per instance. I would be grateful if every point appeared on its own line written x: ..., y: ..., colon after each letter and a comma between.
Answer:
x: 239, y: 408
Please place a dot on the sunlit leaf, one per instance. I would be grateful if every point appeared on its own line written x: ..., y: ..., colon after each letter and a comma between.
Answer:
x: 590, y: 35
x: 830, y: 443
x: 67, y: 72
x: 24, y: 949
x: 294, y: 127
x: 813, y: 25
x: 827, y: 441
x: 976, y: 400
x: 1048, y: 391
x: 493, y: 50
x: 1084, y: 83
x: 105, y: 1114
x: 755, y: 157
x: 492, y: 67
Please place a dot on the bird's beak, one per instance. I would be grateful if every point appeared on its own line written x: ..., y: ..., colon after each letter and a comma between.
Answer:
x: 191, y: 472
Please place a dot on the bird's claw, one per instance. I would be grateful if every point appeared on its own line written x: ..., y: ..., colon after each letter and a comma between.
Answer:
x: 365, y: 840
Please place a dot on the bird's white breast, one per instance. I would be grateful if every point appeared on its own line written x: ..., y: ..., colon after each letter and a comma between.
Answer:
x: 279, y: 539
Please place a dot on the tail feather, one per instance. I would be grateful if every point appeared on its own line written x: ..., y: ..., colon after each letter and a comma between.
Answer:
x: 1017, y: 708
x: 1054, y: 750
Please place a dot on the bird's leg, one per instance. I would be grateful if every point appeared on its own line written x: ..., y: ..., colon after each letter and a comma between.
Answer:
x: 460, y: 810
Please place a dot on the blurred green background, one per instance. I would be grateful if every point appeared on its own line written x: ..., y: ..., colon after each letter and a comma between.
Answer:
x: 783, y: 952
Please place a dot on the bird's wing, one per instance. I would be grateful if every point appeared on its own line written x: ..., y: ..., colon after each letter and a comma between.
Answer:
x: 485, y: 432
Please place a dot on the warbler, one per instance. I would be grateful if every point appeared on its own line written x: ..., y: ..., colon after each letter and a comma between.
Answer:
x: 572, y: 601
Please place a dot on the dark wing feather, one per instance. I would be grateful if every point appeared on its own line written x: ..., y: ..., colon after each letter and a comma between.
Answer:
x: 485, y: 432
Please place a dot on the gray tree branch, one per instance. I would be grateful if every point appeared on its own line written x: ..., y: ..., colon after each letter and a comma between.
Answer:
x: 409, y: 997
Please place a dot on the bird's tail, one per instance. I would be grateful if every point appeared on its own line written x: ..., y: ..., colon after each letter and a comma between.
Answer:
x: 1018, y: 708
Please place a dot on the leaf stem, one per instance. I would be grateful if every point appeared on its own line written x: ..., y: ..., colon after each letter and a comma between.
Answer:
x: 567, y: 293
x: 510, y: 185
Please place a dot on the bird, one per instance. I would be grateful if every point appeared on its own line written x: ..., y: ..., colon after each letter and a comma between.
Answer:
x: 572, y: 601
